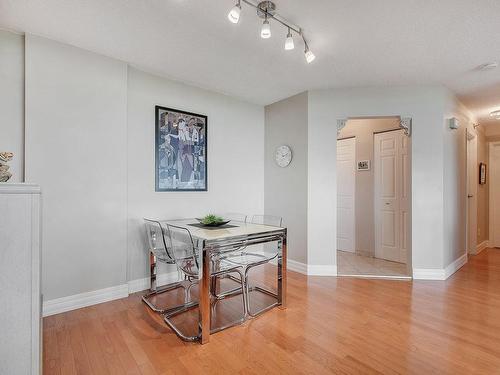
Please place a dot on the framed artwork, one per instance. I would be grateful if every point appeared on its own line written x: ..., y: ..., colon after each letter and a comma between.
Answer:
x: 181, y: 150
x: 482, y: 174
x: 363, y: 165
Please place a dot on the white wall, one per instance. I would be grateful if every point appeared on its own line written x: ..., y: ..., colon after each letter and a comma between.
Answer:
x: 425, y: 105
x: 76, y: 134
x: 286, y: 188
x: 12, y: 101
x: 235, y: 158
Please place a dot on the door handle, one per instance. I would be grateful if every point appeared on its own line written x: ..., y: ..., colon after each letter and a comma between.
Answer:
x: 470, y: 196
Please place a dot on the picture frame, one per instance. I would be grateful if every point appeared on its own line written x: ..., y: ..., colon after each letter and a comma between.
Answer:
x: 363, y: 165
x: 181, y: 145
x: 482, y: 174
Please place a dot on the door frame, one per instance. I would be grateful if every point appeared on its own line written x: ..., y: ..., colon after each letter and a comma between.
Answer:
x: 405, y: 123
x: 470, y: 137
x: 490, y: 194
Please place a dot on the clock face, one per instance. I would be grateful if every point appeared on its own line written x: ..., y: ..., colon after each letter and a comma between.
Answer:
x: 283, y: 156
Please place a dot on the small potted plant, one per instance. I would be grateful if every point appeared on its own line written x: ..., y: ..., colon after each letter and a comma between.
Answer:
x: 212, y: 220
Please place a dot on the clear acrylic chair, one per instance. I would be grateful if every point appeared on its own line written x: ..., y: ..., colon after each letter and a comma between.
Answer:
x: 247, y: 260
x: 186, y: 257
x: 160, y: 252
x: 235, y: 216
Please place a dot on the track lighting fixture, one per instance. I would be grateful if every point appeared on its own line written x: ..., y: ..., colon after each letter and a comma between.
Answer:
x: 265, y: 31
x: 267, y: 11
x: 234, y: 13
x: 308, y: 54
x: 289, y: 41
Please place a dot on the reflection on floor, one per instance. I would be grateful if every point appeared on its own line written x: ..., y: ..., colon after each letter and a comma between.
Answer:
x: 354, y: 264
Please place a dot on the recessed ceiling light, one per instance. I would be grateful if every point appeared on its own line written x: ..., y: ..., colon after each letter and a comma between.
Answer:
x: 488, y: 66
x: 495, y: 114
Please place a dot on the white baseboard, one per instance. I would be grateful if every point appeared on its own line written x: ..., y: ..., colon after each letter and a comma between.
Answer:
x: 455, y: 266
x: 428, y: 274
x: 439, y: 273
x: 77, y: 301
x: 322, y: 270
x: 310, y: 270
x: 139, y: 285
x: 60, y: 305
x: 483, y: 245
x: 297, y: 266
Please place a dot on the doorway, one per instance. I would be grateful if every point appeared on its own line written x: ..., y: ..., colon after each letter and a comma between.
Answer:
x: 373, y: 199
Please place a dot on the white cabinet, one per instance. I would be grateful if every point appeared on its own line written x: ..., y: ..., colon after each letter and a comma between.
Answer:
x: 20, y: 293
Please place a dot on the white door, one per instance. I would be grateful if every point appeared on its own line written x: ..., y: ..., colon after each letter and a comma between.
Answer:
x: 392, y: 195
x: 346, y: 190
x: 472, y: 181
x: 494, y: 185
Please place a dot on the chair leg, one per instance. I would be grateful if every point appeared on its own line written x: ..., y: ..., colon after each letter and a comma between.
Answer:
x: 167, y: 288
x: 262, y: 290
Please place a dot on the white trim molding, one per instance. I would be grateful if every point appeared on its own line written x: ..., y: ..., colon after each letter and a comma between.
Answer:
x: 483, y: 245
x: 322, y: 270
x: 293, y: 265
x: 19, y: 188
x: 439, y: 273
x: 138, y: 285
x: 60, y: 305
x: 311, y: 270
x: 428, y: 274
x: 77, y: 301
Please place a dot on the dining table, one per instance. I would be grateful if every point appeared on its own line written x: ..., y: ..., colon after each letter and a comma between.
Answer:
x: 232, y: 236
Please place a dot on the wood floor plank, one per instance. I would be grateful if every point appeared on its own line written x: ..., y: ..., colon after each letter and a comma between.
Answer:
x: 331, y: 326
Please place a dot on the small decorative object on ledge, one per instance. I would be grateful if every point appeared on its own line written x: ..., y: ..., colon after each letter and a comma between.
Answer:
x: 5, y: 175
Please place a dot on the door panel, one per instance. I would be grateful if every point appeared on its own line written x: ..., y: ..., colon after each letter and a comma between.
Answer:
x: 346, y: 184
x: 392, y: 195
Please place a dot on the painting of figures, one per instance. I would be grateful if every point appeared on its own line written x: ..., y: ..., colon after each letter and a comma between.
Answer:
x: 181, y: 150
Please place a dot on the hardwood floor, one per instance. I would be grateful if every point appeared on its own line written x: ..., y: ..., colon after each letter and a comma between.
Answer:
x: 331, y: 325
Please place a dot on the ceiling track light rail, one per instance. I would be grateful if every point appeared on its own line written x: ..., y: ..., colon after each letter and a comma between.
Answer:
x: 267, y: 11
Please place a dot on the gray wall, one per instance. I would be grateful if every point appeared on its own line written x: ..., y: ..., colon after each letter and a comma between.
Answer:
x: 235, y: 158
x: 76, y: 136
x: 12, y: 101
x: 425, y: 105
x: 482, y: 190
x: 90, y: 145
x: 363, y: 130
x: 455, y: 180
x: 286, y: 188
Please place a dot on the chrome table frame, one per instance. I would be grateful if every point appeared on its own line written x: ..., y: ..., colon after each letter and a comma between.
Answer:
x: 208, y: 247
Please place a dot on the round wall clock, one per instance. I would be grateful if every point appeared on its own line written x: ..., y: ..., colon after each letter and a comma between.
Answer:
x: 283, y: 156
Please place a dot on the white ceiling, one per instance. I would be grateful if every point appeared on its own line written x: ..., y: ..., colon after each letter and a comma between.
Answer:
x: 357, y: 43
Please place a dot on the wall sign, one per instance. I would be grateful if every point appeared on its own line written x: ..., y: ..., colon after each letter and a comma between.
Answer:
x: 364, y: 165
